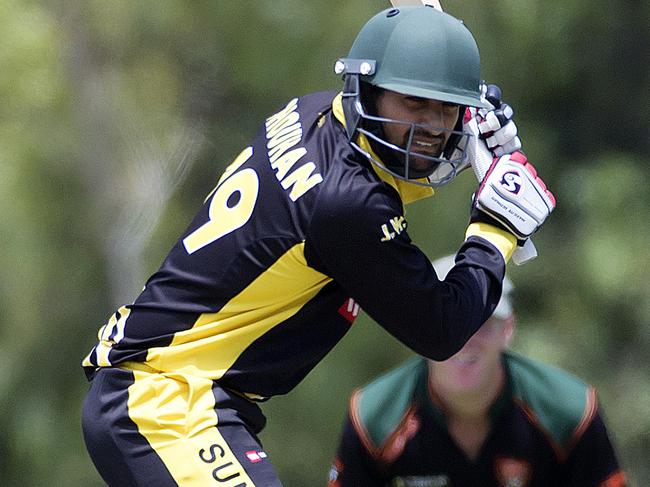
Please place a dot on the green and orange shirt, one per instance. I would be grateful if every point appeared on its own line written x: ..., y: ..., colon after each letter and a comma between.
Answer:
x: 546, y: 430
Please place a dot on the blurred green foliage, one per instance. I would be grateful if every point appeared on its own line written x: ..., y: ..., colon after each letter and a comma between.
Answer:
x: 117, y: 116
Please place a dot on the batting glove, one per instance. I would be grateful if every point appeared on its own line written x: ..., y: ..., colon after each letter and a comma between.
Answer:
x: 513, y: 197
x: 496, y: 126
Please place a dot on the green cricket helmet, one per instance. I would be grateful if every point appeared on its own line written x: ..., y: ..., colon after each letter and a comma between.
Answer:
x: 415, y: 51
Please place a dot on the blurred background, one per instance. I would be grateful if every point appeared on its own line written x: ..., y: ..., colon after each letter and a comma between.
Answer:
x: 117, y: 116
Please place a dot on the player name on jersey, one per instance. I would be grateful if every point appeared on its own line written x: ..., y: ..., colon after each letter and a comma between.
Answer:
x: 283, y: 134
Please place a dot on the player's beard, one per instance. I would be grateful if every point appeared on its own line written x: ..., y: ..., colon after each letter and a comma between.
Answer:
x: 427, y: 145
x: 419, y: 167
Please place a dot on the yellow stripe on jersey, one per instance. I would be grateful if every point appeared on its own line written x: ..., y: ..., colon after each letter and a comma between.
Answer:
x: 176, y: 415
x: 216, y: 340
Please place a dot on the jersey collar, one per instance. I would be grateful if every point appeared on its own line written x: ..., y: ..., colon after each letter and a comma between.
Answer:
x: 408, y: 192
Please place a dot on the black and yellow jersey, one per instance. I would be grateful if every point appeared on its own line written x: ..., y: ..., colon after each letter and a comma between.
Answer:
x: 299, y: 232
x: 546, y: 430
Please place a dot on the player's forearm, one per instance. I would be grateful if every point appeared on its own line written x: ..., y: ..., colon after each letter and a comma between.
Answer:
x: 394, y: 282
x: 433, y: 318
x: 439, y: 322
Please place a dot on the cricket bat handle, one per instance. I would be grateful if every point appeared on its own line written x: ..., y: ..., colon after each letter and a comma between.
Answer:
x: 481, y: 160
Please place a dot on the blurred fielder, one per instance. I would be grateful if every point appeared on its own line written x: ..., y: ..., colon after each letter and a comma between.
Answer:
x: 485, y: 417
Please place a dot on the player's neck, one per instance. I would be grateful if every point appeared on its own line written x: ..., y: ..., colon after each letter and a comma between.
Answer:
x: 467, y: 413
x: 468, y: 405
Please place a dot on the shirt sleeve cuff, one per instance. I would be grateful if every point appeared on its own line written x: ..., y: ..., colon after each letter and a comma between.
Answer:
x: 504, y: 241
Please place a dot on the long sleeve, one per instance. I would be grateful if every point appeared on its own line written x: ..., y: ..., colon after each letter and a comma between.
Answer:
x: 359, y: 238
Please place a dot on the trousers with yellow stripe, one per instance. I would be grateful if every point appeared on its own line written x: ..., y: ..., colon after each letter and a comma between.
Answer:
x: 144, y: 428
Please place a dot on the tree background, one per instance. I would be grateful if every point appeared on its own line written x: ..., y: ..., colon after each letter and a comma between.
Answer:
x: 117, y: 116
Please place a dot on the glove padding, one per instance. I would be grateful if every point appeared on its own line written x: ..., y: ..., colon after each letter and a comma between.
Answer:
x: 513, y: 196
x: 496, y: 126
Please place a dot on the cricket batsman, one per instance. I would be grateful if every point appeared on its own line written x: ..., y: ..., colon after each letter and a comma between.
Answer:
x: 302, y: 229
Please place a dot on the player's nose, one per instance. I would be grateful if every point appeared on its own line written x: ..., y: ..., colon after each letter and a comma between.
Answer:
x: 433, y: 119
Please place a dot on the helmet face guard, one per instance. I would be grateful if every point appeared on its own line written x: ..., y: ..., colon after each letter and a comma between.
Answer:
x: 396, y: 160
x: 414, y: 51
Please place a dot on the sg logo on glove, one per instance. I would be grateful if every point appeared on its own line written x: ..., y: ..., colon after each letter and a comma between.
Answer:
x: 511, y: 181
